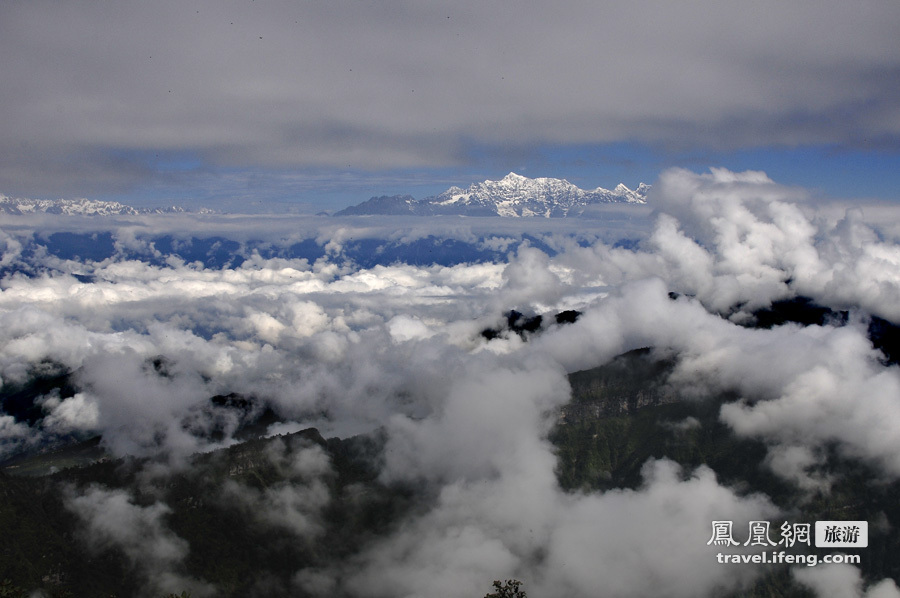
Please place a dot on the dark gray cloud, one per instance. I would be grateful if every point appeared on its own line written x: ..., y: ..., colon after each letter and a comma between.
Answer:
x: 92, y: 94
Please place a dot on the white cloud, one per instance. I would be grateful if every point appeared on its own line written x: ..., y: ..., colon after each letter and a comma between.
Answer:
x: 843, y: 581
x: 640, y: 543
x: 296, y: 501
x: 79, y: 413
x: 111, y: 519
x: 530, y: 282
x: 405, y: 328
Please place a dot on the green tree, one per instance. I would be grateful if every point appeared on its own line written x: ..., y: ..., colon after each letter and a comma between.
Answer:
x: 507, y: 589
x: 7, y: 589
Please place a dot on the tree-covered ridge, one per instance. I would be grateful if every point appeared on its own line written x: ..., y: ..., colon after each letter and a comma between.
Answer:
x: 214, y: 505
x: 248, y: 517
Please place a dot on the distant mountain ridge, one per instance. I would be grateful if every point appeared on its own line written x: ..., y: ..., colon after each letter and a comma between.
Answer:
x: 78, y: 207
x: 513, y: 196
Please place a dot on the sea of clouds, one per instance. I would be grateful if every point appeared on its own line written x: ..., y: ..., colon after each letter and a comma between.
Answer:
x: 396, y: 347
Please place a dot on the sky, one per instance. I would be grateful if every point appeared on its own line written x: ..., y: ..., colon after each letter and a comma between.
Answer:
x: 271, y: 105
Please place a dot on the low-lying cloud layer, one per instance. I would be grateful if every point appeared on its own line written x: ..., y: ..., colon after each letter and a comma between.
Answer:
x: 397, y: 347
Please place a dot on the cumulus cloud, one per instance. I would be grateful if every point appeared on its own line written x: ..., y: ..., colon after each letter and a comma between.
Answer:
x: 530, y: 281
x: 854, y: 404
x: 79, y: 412
x: 765, y: 241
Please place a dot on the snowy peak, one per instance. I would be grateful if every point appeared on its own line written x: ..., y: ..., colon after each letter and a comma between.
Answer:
x: 76, y: 207
x: 513, y: 196
x: 516, y: 196
x: 79, y: 207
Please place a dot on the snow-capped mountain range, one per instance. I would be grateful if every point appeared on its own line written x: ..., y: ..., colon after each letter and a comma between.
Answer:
x: 512, y: 196
x: 77, y: 207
